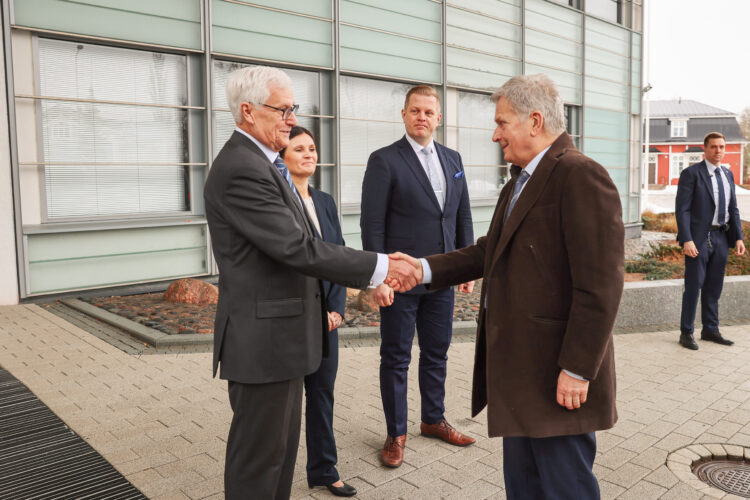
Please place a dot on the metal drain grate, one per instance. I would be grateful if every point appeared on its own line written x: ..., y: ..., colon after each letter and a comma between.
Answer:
x: 40, y: 457
x: 732, y: 476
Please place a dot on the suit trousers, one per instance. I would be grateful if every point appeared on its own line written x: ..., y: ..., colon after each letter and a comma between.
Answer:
x: 552, y: 468
x: 704, y: 275
x: 432, y: 315
x: 263, y: 439
x: 321, y: 444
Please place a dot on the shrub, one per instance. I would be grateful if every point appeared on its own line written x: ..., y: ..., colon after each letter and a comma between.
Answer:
x: 665, y: 223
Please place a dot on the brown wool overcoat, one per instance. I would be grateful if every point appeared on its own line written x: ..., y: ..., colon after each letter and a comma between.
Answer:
x: 553, y: 278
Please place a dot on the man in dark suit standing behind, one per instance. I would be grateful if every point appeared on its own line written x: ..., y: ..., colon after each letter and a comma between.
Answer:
x: 415, y: 200
x: 708, y: 224
x: 552, y: 264
x: 271, y: 320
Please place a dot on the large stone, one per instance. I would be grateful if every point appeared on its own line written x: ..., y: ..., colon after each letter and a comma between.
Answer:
x: 192, y: 291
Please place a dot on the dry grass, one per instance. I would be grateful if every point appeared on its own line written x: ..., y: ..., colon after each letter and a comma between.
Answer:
x: 665, y: 223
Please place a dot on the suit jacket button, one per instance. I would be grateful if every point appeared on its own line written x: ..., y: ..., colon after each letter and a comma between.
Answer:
x: 442, y: 220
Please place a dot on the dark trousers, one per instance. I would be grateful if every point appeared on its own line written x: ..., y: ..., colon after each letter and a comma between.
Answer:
x: 553, y: 468
x: 704, y: 274
x: 321, y: 445
x: 432, y: 314
x: 263, y: 439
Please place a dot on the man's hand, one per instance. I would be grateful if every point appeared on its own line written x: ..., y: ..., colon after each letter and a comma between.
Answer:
x: 690, y: 249
x: 404, y: 272
x: 466, y: 287
x: 334, y: 320
x: 382, y: 295
x: 740, y: 250
x: 571, y: 392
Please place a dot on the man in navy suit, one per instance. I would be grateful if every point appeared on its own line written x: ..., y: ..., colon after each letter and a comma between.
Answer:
x: 708, y: 223
x: 415, y: 200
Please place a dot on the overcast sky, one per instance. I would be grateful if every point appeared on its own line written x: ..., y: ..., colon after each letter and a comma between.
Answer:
x: 700, y: 50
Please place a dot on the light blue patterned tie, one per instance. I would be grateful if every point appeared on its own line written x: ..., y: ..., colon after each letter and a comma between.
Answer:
x: 284, y: 171
x: 522, y: 178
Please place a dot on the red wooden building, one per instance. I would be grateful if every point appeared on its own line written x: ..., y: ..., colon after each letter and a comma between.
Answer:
x: 677, y: 129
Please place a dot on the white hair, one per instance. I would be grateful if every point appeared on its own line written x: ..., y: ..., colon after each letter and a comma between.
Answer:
x: 527, y: 93
x: 253, y: 84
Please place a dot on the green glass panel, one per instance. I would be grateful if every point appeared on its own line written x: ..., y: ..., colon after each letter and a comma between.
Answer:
x: 549, y: 50
x: 480, y: 71
x: 248, y: 31
x: 553, y: 18
x: 474, y: 31
x: 373, y: 52
x: 606, y: 124
x: 606, y: 94
x: 635, y: 209
x: 568, y: 83
x: 502, y: 9
x: 173, y: 23
x: 65, y: 261
x: 604, y: 64
x: 637, y: 45
x: 611, y: 154
x: 417, y: 18
x: 620, y: 178
x: 635, y: 104
x: 607, y: 36
x: 320, y: 8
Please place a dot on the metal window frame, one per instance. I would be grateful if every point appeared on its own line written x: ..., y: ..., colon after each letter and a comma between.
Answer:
x: 44, y: 215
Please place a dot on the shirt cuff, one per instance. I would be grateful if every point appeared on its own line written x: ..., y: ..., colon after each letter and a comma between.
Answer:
x: 381, y: 271
x: 426, y: 271
x: 574, y: 375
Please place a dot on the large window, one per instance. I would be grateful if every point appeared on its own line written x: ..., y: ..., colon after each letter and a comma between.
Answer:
x: 676, y: 165
x: 486, y: 171
x: 314, y: 114
x: 573, y: 123
x: 370, y: 119
x: 114, y: 128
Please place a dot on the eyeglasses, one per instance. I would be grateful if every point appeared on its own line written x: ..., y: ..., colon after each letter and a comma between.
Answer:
x: 285, y: 112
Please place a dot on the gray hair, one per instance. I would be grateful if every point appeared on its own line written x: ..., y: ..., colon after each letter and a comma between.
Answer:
x: 527, y: 93
x: 253, y: 84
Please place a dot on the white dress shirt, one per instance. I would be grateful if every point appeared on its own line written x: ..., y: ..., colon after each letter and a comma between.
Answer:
x: 430, y: 151
x: 714, y: 184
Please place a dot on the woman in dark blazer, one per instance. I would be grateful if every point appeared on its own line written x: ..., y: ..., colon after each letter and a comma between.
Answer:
x: 301, y: 157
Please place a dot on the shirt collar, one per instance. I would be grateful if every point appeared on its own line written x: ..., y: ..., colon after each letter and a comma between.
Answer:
x: 711, y: 167
x: 270, y: 153
x: 535, y: 161
x: 418, y: 147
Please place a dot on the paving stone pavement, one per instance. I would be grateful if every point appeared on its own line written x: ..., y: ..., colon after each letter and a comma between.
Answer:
x: 162, y: 420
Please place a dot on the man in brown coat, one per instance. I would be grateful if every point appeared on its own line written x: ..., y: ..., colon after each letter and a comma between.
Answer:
x: 552, y: 264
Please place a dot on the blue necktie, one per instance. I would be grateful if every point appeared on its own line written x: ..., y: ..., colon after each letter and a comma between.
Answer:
x: 722, y: 198
x: 284, y: 171
x: 522, y: 178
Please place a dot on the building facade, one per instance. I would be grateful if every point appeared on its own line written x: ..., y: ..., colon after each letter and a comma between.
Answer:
x: 116, y: 112
x: 677, y: 129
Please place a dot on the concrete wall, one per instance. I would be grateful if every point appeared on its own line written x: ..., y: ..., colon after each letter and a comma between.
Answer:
x: 650, y: 303
x: 8, y: 269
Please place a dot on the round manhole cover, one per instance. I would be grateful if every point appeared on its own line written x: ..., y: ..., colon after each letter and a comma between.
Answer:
x: 732, y: 476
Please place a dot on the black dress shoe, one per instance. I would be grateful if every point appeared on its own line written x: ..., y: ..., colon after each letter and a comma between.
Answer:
x: 687, y: 341
x: 715, y: 337
x: 342, y: 491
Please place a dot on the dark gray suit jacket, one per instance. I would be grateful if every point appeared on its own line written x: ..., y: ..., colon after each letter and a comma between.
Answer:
x: 270, y: 319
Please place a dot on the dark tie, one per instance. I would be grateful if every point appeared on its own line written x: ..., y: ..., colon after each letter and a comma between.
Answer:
x: 522, y: 178
x: 722, y: 198
x: 284, y: 171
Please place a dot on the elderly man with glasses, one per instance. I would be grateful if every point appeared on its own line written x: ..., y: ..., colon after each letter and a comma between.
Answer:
x: 270, y: 320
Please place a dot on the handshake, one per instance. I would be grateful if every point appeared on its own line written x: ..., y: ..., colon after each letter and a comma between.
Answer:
x: 404, y: 273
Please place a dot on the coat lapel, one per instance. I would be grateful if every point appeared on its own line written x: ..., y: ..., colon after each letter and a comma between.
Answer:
x: 410, y: 158
x: 295, y: 202
x: 530, y: 194
x: 319, y: 208
x: 703, y: 175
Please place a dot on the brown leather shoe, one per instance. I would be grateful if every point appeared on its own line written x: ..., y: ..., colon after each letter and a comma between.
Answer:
x: 392, y: 453
x: 445, y: 431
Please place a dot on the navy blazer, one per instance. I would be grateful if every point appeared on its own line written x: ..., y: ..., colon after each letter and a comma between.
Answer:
x: 400, y: 212
x: 694, y: 206
x: 328, y: 218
